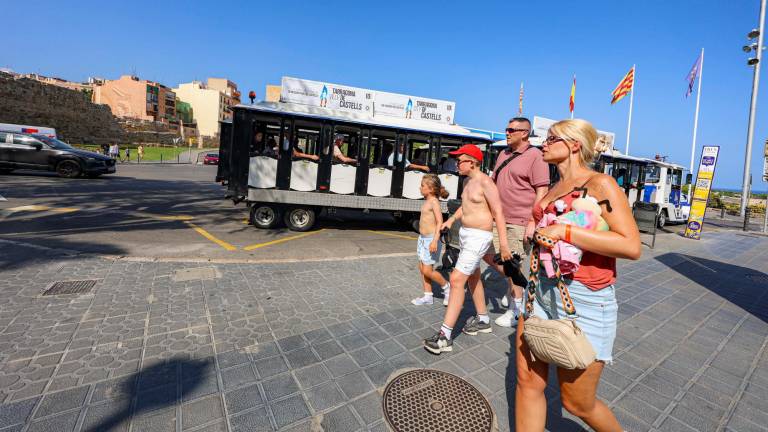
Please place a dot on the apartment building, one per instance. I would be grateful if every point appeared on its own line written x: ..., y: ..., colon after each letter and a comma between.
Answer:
x: 211, y: 102
x: 131, y: 97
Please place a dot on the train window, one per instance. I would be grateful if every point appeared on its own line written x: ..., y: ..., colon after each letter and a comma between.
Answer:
x: 634, y: 178
x: 264, y: 137
x: 350, y: 137
x: 417, y: 150
x: 652, y: 174
x: 446, y: 162
x: 306, y: 142
x: 382, y: 145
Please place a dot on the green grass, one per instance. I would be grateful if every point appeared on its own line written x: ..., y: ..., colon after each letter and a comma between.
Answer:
x: 152, y: 154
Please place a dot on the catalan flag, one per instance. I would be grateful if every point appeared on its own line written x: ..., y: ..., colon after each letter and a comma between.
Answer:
x: 520, y: 106
x: 624, y: 87
x: 572, y: 102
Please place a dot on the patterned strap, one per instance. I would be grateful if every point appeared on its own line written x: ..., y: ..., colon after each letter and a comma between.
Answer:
x: 533, y: 281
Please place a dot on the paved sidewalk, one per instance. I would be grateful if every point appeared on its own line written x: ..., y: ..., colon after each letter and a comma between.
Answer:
x: 308, y: 346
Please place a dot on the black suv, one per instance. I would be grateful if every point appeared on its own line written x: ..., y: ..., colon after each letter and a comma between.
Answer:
x: 39, y: 152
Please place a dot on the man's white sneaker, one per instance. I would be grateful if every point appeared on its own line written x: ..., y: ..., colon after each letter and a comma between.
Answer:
x: 446, y: 295
x: 508, y: 319
x: 425, y: 300
x: 505, y: 301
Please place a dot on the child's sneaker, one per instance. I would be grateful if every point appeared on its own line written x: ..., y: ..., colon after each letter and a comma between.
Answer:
x: 508, y: 319
x: 425, y: 300
x: 475, y: 326
x: 438, y: 344
x: 505, y: 301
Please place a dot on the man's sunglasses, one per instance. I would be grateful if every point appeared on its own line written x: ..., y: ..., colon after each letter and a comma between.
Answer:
x: 513, y: 130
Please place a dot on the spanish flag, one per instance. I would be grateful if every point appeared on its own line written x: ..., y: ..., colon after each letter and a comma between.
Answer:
x: 572, y: 101
x: 624, y: 87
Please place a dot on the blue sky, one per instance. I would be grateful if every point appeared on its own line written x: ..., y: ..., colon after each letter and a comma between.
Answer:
x: 475, y: 54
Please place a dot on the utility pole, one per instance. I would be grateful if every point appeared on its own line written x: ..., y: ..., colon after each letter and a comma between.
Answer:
x: 755, y: 62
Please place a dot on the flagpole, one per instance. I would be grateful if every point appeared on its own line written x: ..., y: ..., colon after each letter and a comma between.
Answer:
x: 696, y: 116
x: 631, y: 102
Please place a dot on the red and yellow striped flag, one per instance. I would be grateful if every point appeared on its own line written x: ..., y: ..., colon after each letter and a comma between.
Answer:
x: 572, y: 102
x: 624, y: 87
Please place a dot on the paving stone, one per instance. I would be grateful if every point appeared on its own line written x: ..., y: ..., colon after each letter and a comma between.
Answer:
x: 312, y: 376
x: 325, y: 396
x: 291, y: 343
x: 279, y: 386
x: 301, y: 357
x: 353, y: 341
x: 365, y: 356
x: 318, y: 336
x: 237, y: 376
x: 379, y: 373
x: 16, y: 412
x: 270, y: 366
x: 389, y: 348
x: 61, y: 401
x: 354, y: 384
x: 232, y: 358
x: 693, y: 419
x: 263, y: 350
x: 341, y: 365
x: 60, y: 423
x: 252, y: 421
x: 243, y: 398
x: 289, y: 411
x: 341, y: 420
x: 155, y: 421
x: 328, y: 349
x: 198, y: 387
x: 111, y: 416
x: 201, y: 411
x: 369, y: 408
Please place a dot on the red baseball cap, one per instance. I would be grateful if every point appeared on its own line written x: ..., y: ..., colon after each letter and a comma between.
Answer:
x: 469, y: 150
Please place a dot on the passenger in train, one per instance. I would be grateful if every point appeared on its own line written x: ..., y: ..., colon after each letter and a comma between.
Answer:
x: 408, y: 164
x: 448, y: 164
x: 480, y: 208
x: 298, y: 152
x: 339, y: 155
x: 270, y: 149
x: 428, y: 244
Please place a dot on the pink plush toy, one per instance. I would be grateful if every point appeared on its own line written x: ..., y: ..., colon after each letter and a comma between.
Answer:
x: 585, y: 213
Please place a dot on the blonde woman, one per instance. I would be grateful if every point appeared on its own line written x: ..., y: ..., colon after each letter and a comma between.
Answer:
x: 570, y: 145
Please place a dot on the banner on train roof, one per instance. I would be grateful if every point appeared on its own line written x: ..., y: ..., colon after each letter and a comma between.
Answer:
x: 366, y: 102
x: 704, y: 179
x: 327, y: 95
x: 413, y: 107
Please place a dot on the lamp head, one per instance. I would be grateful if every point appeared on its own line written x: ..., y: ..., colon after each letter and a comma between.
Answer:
x: 753, y: 61
x: 753, y: 34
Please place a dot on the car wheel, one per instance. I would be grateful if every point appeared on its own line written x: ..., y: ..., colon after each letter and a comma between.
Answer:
x: 300, y: 218
x: 265, y: 216
x: 415, y: 223
x: 662, y: 219
x: 68, y: 168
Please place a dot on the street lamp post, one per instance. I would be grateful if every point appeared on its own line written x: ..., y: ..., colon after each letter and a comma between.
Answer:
x: 754, y: 62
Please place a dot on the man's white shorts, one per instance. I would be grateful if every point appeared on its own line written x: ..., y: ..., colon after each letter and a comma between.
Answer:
x: 474, y: 243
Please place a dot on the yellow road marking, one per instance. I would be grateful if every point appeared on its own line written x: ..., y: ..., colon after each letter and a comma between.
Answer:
x: 171, y: 218
x: 42, y: 208
x: 210, y: 237
x: 245, y: 221
x: 394, y: 235
x: 65, y: 209
x: 282, y: 240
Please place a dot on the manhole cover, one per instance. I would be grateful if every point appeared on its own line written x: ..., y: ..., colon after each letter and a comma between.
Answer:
x: 71, y: 287
x: 434, y: 401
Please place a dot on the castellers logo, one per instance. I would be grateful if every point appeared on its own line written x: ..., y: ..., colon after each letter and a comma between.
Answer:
x: 694, y: 226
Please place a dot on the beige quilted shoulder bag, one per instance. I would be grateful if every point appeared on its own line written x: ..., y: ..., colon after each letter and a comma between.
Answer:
x: 560, y: 342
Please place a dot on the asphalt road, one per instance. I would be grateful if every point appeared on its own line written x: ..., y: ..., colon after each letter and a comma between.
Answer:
x: 173, y: 212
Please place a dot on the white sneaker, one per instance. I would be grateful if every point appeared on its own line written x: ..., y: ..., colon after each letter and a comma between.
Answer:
x: 508, y: 319
x: 425, y: 300
x: 505, y: 301
x: 446, y: 296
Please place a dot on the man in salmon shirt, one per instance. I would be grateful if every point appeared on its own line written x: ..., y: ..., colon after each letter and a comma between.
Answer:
x: 522, y: 177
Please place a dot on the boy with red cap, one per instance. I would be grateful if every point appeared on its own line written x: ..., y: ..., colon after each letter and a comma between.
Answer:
x: 480, y: 208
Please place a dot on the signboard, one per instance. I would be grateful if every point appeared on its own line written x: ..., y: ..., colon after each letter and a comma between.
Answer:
x: 541, y: 125
x: 704, y: 178
x: 327, y: 95
x: 412, y: 107
x: 366, y: 102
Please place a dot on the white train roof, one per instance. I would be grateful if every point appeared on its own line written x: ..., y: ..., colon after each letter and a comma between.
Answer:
x: 391, y: 122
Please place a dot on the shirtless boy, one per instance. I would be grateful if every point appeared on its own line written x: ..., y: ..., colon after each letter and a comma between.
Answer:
x: 480, y: 208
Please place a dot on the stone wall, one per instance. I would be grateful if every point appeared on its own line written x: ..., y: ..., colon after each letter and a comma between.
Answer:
x: 75, y: 118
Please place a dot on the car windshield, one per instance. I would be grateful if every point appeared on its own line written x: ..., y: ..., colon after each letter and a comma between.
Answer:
x: 213, y: 155
x: 54, y: 143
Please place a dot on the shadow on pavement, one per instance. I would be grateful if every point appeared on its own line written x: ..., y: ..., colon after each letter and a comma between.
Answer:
x: 155, y: 387
x: 742, y: 286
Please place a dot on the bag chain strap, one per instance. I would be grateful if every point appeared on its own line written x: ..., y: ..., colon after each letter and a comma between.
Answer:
x: 533, y: 281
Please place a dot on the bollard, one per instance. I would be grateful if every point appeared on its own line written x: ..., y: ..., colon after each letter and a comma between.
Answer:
x: 161, y: 157
x: 722, y: 212
x: 177, y: 159
x: 746, y: 219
